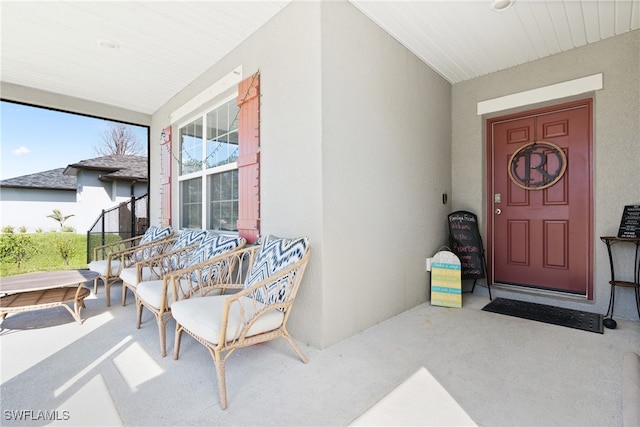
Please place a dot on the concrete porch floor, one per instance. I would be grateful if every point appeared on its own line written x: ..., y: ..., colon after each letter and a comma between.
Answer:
x: 501, y: 370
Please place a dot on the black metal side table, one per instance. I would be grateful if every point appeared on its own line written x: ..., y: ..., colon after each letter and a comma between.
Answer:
x: 610, y: 241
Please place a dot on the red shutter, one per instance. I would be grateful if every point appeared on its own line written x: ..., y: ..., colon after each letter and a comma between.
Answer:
x: 165, y: 178
x: 249, y: 158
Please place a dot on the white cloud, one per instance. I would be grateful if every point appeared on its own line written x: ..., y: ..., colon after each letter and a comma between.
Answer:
x: 20, y: 151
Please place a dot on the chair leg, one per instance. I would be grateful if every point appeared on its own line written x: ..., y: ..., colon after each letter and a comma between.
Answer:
x: 162, y: 331
x: 295, y: 346
x: 176, y: 345
x: 139, y: 311
x: 107, y: 291
x: 222, y: 382
x: 95, y: 285
x: 124, y: 293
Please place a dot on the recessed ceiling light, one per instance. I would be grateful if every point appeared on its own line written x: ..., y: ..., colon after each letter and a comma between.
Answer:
x: 108, y: 44
x: 500, y: 5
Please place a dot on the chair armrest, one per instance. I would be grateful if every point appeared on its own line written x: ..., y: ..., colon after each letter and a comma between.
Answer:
x: 223, y: 272
x: 101, y: 252
x: 166, y: 262
x: 129, y: 257
x: 285, y: 282
x: 283, y: 286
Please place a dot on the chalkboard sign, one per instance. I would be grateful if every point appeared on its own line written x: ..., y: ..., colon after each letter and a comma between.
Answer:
x: 465, y: 241
x: 630, y: 223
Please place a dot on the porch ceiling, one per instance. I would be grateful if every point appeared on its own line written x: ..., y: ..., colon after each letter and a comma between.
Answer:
x: 162, y: 46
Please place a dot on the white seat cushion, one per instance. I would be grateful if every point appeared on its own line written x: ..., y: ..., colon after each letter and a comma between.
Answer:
x: 150, y: 292
x: 130, y: 275
x: 100, y: 267
x: 202, y: 317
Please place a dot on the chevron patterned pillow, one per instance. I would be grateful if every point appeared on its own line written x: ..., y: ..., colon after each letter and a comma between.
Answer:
x: 214, y: 244
x: 275, y: 255
x: 187, y: 237
x: 152, y: 234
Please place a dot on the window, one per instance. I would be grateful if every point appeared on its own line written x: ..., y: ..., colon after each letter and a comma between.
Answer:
x: 219, y: 165
x: 208, y: 173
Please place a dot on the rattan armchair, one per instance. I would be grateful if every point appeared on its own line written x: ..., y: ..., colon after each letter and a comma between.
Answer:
x: 208, y: 266
x: 107, y: 258
x: 256, y: 314
x: 134, y: 270
x: 130, y: 259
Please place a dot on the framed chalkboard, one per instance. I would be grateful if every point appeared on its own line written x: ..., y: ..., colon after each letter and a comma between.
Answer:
x: 630, y: 223
x: 465, y: 241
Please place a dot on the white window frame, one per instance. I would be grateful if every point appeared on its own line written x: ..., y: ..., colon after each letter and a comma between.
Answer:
x: 205, y: 172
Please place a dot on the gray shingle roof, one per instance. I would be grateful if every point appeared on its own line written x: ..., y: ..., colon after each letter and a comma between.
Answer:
x: 53, y: 179
x: 116, y: 168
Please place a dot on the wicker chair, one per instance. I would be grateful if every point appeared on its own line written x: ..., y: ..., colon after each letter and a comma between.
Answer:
x: 134, y: 269
x: 258, y: 313
x: 206, y: 265
x: 107, y: 258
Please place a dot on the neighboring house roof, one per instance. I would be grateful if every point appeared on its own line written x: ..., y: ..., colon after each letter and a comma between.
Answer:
x: 118, y: 167
x: 53, y: 179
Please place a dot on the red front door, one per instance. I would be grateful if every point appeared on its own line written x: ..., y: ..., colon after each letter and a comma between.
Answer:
x: 539, y: 198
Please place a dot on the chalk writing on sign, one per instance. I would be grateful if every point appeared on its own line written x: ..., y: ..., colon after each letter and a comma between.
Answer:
x: 466, y: 243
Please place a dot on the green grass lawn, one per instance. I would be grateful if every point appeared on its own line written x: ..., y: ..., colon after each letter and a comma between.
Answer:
x: 47, y: 256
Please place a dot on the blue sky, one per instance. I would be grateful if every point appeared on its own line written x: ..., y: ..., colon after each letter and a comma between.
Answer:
x: 36, y: 139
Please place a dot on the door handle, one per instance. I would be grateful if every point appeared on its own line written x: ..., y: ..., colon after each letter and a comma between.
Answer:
x: 498, y: 211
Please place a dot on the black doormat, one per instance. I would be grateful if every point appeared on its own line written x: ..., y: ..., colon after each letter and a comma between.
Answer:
x: 576, y: 319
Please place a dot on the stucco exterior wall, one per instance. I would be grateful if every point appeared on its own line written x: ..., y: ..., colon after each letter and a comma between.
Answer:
x: 386, y: 155
x: 616, y: 144
x: 30, y: 207
x: 97, y: 195
x: 355, y: 154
